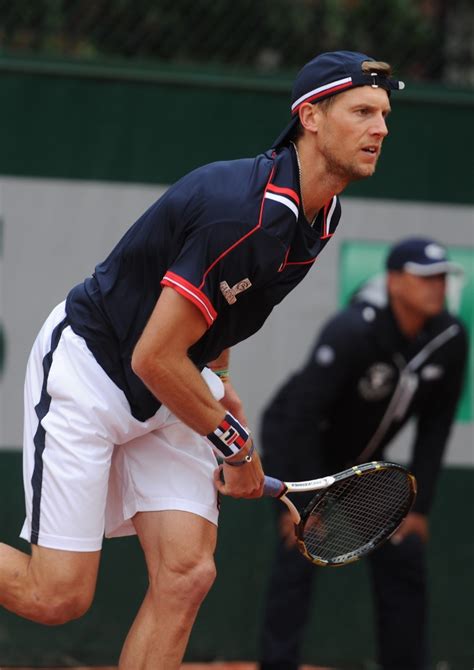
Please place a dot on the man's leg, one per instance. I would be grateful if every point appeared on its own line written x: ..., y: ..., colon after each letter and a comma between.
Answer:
x: 179, y: 552
x: 50, y: 586
x: 286, y: 609
x: 65, y: 472
x: 400, y: 590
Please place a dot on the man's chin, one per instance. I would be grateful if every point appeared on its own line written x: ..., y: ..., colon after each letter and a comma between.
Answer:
x: 358, y: 173
x: 433, y: 309
x: 351, y: 172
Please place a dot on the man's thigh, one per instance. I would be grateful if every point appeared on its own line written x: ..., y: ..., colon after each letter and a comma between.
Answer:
x: 55, y: 569
x: 50, y: 586
x: 174, y: 538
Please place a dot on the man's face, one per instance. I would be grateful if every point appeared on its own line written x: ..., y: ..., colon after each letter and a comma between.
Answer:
x: 423, y: 296
x: 351, y: 131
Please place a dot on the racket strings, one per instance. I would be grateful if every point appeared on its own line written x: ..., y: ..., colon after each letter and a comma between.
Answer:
x: 356, y: 512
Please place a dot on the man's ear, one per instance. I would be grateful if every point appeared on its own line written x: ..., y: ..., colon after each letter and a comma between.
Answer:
x: 309, y: 116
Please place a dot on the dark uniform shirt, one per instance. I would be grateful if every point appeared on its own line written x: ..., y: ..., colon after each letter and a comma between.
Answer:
x: 361, y: 384
x: 231, y: 237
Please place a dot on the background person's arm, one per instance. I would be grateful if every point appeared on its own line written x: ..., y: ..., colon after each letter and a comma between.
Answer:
x: 433, y: 428
x: 435, y: 421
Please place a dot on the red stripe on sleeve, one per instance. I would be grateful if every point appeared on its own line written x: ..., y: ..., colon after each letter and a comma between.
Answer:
x: 187, y: 290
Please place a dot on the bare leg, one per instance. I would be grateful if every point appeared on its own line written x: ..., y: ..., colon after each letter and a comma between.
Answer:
x: 50, y: 586
x: 179, y: 549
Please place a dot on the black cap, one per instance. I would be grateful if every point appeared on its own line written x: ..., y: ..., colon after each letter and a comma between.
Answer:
x: 329, y: 74
x: 420, y: 256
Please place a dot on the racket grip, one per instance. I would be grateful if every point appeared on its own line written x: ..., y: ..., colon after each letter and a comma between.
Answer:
x: 273, y: 487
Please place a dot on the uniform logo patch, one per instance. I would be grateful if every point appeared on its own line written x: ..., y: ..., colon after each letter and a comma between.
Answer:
x: 378, y: 382
x: 231, y: 293
x: 431, y: 372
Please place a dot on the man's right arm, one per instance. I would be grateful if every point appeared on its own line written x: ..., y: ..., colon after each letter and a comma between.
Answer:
x: 161, y: 361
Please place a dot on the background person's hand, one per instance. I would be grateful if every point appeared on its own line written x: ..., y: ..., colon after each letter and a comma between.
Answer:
x: 414, y: 524
x: 286, y: 529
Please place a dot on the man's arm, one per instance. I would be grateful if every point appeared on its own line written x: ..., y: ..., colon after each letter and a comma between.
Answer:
x: 161, y: 361
x: 433, y: 428
x: 435, y: 421
x: 231, y: 400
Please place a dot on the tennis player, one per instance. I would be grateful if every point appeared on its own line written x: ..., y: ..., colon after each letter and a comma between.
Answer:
x: 127, y: 398
x: 394, y: 354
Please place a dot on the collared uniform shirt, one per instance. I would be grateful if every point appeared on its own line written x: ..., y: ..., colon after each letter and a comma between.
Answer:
x: 231, y: 237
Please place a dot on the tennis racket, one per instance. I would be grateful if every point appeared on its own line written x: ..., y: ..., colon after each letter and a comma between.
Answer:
x: 352, y: 513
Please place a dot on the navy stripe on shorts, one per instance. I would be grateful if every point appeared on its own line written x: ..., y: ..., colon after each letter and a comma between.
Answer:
x: 41, y: 409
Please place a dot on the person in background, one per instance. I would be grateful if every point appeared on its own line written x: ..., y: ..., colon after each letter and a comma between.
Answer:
x: 390, y: 356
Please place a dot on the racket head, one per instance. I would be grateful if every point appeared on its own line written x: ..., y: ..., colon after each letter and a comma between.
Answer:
x: 351, y: 518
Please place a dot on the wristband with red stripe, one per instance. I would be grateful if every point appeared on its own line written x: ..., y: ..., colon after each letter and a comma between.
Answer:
x: 229, y: 437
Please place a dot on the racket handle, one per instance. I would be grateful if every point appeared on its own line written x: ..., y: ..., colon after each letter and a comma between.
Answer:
x: 273, y: 487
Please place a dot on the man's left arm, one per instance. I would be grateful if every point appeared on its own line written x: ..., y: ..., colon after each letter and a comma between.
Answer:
x: 231, y: 400
x: 433, y: 429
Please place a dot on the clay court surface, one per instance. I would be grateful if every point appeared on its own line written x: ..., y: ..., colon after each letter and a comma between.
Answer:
x: 186, y: 666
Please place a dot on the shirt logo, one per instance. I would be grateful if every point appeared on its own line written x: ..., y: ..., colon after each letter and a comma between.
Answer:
x: 231, y: 293
x: 378, y: 382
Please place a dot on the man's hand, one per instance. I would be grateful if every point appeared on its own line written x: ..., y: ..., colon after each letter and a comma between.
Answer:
x: 241, y: 481
x: 413, y: 524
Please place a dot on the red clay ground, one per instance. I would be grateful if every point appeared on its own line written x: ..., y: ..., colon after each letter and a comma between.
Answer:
x: 186, y: 666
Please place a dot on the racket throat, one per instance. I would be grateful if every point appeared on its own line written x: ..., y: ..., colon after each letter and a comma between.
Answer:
x: 295, y: 515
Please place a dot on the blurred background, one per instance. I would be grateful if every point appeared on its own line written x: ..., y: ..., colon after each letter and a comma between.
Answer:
x: 102, y: 105
x: 429, y: 40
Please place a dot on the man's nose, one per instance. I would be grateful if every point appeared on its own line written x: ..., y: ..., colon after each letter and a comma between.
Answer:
x: 380, y: 126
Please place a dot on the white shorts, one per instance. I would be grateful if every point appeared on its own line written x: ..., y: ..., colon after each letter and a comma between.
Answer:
x: 89, y: 465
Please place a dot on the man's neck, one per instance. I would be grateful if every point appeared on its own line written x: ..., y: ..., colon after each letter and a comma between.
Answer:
x: 409, y: 322
x: 317, y: 185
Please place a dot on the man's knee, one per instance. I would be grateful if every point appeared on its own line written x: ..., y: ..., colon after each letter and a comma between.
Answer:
x: 201, y: 580
x: 54, y: 609
x: 185, y: 581
x: 62, y: 584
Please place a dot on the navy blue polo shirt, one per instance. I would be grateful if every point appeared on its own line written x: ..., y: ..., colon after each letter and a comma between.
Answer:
x: 231, y: 237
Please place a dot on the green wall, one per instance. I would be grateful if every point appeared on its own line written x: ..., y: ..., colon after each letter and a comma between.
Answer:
x: 227, y: 627
x: 155, y: 129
